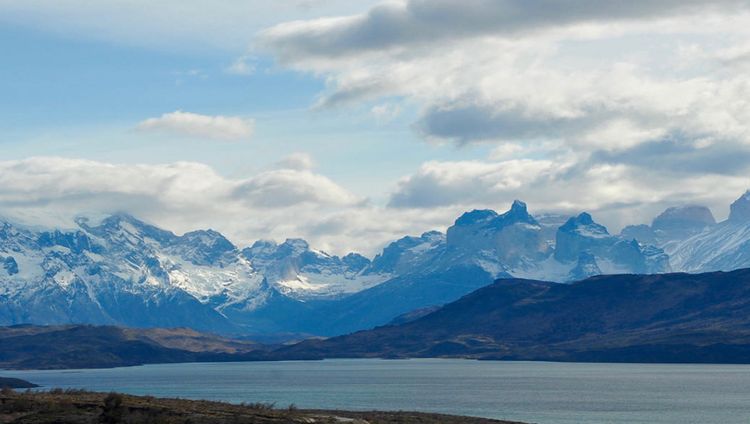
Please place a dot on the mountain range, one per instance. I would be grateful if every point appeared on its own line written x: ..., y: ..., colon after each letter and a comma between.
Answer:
x: 123, y: 271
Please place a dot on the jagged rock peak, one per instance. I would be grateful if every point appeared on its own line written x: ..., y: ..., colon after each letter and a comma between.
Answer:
x: 584, y: 221
x: 740, y: 209
x: 518, y: 212
x: 518, y: 206
x: 476, y: 216
x: 292, y: 247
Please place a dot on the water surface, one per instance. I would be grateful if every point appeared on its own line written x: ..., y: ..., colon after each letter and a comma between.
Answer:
x: 539, y: 392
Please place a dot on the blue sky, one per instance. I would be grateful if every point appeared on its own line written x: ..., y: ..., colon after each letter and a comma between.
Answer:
x: 79, y: 97
x: 351, y: 123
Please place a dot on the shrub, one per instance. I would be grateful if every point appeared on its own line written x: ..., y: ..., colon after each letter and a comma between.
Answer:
x: 113, y: 411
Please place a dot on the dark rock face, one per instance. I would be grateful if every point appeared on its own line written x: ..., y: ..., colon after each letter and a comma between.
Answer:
x: 10, y: 265
x: 511, y: 238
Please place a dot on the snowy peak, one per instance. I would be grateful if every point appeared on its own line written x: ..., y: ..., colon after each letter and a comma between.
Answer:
x: 584, y: 225
x: 295, y: 270
x: 292, y: 247
x: 518, y: 213
x: 125, y: 229
x: 204, y: 247
x: 403, y: 255
x: 486, y: 223
x: 580, y: 234
x: 475, y: 217
x: 740, y: 209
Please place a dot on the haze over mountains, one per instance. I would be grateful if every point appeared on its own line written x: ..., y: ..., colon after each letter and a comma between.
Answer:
x: 122, y: 271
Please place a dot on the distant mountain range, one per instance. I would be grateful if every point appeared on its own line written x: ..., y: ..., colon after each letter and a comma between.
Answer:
x: 620, y: 318
x: 679, y: 318
x: 122, y: 271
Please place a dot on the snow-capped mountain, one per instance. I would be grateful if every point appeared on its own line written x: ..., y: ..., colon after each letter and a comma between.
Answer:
x: 124, y: 271
x: 107, y: 274
x: 303, y: 273
x: 695, y: 242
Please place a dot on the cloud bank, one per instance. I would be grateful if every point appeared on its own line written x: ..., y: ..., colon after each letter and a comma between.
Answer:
x: 620, y: 108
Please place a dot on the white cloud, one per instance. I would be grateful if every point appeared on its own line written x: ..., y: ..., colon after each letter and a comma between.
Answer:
x: 394, y: 25
x: 184, y: 196
x: 200, y: 126
x: 470, y: 182
x: 616, y: 194
x: 601, y: 75
x: 659, y: 87
x: 286, y: 202
x: 299, y: 161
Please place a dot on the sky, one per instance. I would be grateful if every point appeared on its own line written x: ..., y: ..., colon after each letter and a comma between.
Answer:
x: 353, y: 123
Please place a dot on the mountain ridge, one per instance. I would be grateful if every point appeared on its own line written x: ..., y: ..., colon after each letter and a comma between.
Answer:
x: 123, y: 271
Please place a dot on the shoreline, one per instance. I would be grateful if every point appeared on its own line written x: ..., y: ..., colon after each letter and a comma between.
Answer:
x: 80, y: 406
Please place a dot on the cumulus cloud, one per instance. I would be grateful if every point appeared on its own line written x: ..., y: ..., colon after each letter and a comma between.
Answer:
x: 230, y: 128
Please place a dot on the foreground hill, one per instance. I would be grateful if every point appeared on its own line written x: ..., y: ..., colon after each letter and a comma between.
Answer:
x: 83, y: 346
x: 74, y: 407
x: 15, y: 383
x: 622, y: 318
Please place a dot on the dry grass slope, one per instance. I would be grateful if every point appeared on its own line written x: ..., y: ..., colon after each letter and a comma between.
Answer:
x: 81, y: 407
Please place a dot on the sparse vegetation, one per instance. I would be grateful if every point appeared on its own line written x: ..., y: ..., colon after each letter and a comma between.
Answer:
x: 81, y: 407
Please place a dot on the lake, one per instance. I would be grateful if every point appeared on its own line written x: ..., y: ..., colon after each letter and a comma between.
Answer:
x: 539, y: 392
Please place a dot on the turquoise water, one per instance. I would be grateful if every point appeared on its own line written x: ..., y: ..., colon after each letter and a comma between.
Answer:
x: 539, y: 392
